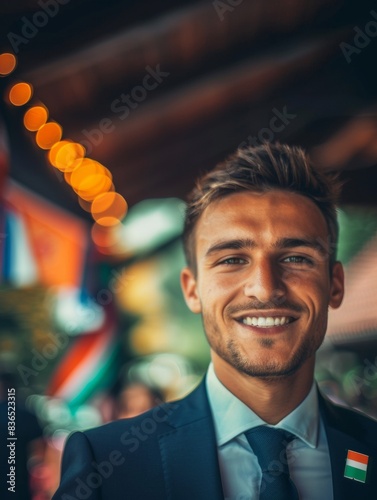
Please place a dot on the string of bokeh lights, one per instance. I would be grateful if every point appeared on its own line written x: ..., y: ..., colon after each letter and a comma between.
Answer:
x: 89, y: 179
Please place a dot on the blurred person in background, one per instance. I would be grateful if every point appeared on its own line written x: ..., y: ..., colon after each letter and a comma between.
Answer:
x: 260, y: 241
x: 136, y: 398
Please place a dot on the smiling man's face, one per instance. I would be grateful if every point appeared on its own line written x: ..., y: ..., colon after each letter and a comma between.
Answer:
x: 263, y: 284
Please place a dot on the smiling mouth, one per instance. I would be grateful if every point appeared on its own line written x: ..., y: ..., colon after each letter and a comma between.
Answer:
x: 267, y: 321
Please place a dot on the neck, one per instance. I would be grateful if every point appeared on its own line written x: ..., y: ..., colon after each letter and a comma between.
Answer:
x: 271, y: 399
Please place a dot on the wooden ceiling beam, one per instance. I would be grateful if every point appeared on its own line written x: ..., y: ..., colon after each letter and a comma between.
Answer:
x: 179, y: 41
x: 239, y: 86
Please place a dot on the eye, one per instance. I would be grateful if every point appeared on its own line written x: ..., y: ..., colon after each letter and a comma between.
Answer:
x: 297, y: 259
x: 231, y: 261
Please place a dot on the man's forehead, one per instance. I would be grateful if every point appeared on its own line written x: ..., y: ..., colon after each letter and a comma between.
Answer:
x: 274, y: 211
x: 246, y: 203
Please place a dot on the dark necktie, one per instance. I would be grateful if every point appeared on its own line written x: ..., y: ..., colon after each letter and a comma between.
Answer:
x: 269, y: 445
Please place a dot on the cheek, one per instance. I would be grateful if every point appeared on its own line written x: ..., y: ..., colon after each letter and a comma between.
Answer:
x: 226, y: 284
x: 219, y: 295
x: 313, y: 292
x: 309, y: 285
x: 213, y: 286
x: 214, y: 298
x: 318, y: 306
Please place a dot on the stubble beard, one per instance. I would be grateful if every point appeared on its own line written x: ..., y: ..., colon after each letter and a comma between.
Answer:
x: 232, y: 354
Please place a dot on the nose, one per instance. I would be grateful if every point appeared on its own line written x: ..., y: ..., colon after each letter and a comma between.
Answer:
x: 265, y: 283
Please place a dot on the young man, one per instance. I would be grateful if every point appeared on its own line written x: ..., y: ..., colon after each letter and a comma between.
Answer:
x: 260, y: 238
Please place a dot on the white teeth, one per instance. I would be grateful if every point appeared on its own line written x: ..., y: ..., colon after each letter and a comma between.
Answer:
x: 265, y: 322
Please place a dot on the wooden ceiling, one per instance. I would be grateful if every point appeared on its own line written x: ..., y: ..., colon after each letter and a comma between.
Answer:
x: 221, y: 71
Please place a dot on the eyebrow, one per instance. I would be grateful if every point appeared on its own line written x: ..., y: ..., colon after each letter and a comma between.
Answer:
x: 313, y: 243
x: 238, y: 244
x: 281, y: 244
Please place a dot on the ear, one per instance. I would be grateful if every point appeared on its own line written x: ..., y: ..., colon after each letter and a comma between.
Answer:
x: 190, y: 291
x: 337, y: 285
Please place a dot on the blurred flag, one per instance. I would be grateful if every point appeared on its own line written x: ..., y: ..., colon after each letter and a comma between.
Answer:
x: 88, y: 365
x: 19, y: 266
x: 42, y: 243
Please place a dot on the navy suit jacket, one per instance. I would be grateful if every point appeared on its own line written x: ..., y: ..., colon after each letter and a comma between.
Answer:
x: 170, y: 453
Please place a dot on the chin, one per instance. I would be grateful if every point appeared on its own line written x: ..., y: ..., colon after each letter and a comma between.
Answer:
x: 267, y: 369
x: 269, y: 373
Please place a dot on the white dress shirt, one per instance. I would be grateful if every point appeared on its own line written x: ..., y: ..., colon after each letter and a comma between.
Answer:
x: 308, y: 454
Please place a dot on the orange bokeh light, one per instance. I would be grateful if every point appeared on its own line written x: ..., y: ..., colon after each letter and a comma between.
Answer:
x: 49, y: 134
x: 20, y: 93
x: 7, y: 63
x: 66, y: 155
x: 51, y: 155
x: 105, y: 238
x: 35, y: 117
x: 93, y: 186
x: 101, y: 235
x: 109, y: 208
x: 90, y: 178
x: 67, y: 177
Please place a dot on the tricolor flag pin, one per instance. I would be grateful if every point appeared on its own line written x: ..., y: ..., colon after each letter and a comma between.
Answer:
x: 356, y: 466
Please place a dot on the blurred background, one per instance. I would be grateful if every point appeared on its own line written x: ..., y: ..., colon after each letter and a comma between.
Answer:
x: 144, y: 97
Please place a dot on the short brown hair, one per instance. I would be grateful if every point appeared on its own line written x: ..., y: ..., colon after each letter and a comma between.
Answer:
x: 260, y: 169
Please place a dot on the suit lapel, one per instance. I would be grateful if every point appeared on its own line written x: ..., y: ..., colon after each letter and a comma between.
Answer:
x: 189, y: 451
x: 342, y: 436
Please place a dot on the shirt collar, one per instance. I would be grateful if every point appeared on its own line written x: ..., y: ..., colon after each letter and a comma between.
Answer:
x: 232, y: 417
